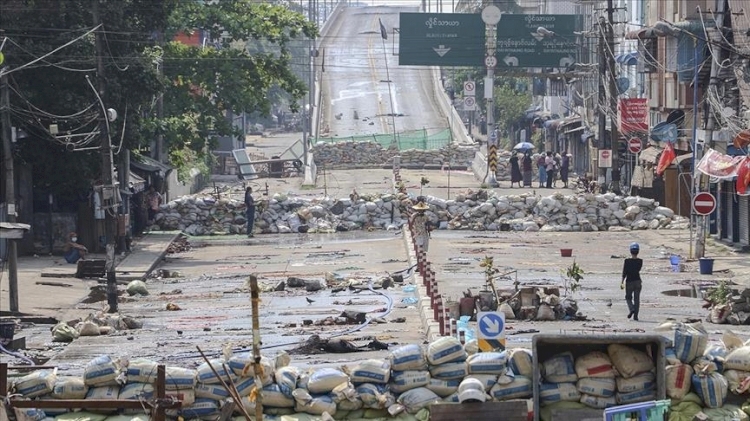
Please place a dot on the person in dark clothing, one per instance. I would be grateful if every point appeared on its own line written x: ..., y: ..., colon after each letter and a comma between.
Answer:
x: 526, y: 169
x: 564, y: 168
x: 631, y: 281
x: 249, y: 210
x: 515, y: 170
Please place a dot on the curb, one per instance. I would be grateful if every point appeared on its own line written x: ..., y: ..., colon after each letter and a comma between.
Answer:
x: 430, y: 326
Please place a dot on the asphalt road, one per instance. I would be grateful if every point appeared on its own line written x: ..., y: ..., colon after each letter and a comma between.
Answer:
x: 364, y: 90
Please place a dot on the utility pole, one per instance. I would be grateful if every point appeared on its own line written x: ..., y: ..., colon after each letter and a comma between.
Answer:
x: 159, y: 153
x: 108, y: 192
x: 491, y: 15
x: 613, y: 94
x: 10, y: 187
x: 602, y: 100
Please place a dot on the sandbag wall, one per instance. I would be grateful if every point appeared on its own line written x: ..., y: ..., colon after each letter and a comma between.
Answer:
x: 401, y: 386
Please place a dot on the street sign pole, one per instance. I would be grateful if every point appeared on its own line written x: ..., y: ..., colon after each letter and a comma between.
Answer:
x: 491, y: 16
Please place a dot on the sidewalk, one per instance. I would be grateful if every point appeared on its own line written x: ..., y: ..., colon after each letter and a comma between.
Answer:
x: 54, y: 296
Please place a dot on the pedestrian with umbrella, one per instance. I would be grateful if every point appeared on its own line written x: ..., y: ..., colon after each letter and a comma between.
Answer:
x: 526, y: 165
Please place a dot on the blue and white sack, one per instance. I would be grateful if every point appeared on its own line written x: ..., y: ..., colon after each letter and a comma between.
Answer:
x: 201, y: 408
x: 375, y: 396
x: 521, y: 362
x: 598, y: 402
x: 103, y: 371
x: 689, y: 341
x: 36, y: 384
x: 519, y: 388
x: 286, y: 378
x: 636, y: 383
x: 558, y: 392
x: 408, y: 357
x: 371, y: 371
x: 207, y: 376
x: 178, y: 378
x: 633, y: 397
x: 401, y: 381
x: 560, y: 369
x: 454, y: 370
x: 597, y: 386
x: 488, y: 363
x: 442, y: 387
x: 211, y: 391
x: 712, y: 389
x: 444, y: 350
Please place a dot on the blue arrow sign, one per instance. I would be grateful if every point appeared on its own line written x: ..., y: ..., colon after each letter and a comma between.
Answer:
x: 491, y: 325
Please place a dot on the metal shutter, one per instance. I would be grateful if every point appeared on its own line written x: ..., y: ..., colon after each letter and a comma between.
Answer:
x: 744, y: 224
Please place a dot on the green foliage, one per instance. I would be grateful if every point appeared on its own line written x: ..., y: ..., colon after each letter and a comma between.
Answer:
x: 720, y: 295
x: 573, y: 275
x: 512, y: 99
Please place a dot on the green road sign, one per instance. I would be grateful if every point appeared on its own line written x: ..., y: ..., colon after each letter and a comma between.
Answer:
x: 441, y: 39
x: 521, y: 44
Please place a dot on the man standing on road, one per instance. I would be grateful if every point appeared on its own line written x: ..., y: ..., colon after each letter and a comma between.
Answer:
x: 249, y: 211
x: 631, y: 281
x: 419, y: 223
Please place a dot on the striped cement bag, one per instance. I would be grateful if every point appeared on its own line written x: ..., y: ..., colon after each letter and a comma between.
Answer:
x: 689, y: 341
x: 679, y: 377
x: 629, y: 361
x: 712, y: 389
x: 557, y: 392
x: 519, y: 388
x: 597, y: 386
x: 633, y: 397
x: 594, y: 364
x: 598, y: 402
x: 638, y: 382
x: 521, y: 362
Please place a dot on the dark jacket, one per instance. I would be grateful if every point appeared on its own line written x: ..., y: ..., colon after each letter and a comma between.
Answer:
x: 631, y: 269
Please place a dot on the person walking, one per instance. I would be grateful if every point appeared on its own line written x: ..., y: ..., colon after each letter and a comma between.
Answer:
x: 154, y: 199
x: 515, y: 170
x: 526, y: 169
x: 542, y: 168
x: 420, y: 225
x: 249, y: 211
x: 631, y: 281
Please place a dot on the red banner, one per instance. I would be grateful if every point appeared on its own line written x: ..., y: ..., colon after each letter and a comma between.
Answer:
x: 633, y: 115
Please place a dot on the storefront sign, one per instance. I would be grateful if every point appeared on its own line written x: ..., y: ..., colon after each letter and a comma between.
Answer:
x: 633, y: 115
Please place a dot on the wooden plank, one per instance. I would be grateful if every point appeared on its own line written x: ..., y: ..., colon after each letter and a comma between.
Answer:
x: 514, y: 410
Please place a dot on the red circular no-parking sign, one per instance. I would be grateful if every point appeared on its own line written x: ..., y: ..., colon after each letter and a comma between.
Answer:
x: 634, y: 145
x: 704, y: 203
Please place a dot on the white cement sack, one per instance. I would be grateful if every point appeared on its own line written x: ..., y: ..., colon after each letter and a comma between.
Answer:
x: 447, y: 371
x: 508, y: 310
x: 69, y: 387
x: 206, y: 376
x: 29, y: 414
x: 636, y: 383
x: 178, y: 378
x: 739, y: 359
x: 346, y: 398
x: 739, y: 381
x: 558, y: 392
x: 245, y: 385
x: 211, y: 391
x: 135, y: 391
x: 594, y: 364
x: 521, y: 362
x: 408, y: 357
x: 689, y: 341
x: 371, y: 371
x: 731, y: 341
x: 560, y: 369
x: 286, y: 378
x: 103, y: 392
x: 442, y: 387
x: 629, y: 361
x: 375, y: 396
x: 633, y: 397
x: 487, y: 380
x: 37, y: 383
x: 488, y: 363
x: 445, y: 349
x: 401, y: 381
x: 678, y: 378
x: 243, y: 365
x: 282, y: 359
x: 141, y: 370
x: 416, y: 399
x: 323, y: 380
x: 506, y: 377
x: 519, y: 388
x: 471, y: 347
x: 313, y: 404
x: 274, y: 397
x: 202, y: 408
x: 712, y: 389
x: 598, y: 402
x: 103, y: 371
x: 597, y: 386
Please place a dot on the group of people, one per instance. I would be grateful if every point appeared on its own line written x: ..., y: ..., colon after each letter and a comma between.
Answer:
x: 550, y: 167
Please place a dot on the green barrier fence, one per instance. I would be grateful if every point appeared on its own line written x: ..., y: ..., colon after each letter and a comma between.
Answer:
x: 418, y: 139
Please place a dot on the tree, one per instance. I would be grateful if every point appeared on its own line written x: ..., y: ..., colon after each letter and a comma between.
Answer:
x: 512, y: 99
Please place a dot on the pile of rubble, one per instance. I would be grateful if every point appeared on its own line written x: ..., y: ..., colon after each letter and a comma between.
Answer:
x: 344, y: 155
x: 540, y: 303
x: 474, y: 210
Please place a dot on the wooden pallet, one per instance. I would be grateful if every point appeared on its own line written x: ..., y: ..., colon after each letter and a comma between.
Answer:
x: 94, y: 268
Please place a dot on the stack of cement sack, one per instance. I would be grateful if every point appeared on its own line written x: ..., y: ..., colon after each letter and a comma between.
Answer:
x: 620, y: 376
x: 400, y: 387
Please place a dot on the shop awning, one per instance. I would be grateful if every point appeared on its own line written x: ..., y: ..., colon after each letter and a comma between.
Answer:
x: 627, y: 59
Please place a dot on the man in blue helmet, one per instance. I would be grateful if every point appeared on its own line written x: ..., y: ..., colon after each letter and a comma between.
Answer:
x: 631, y: 280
